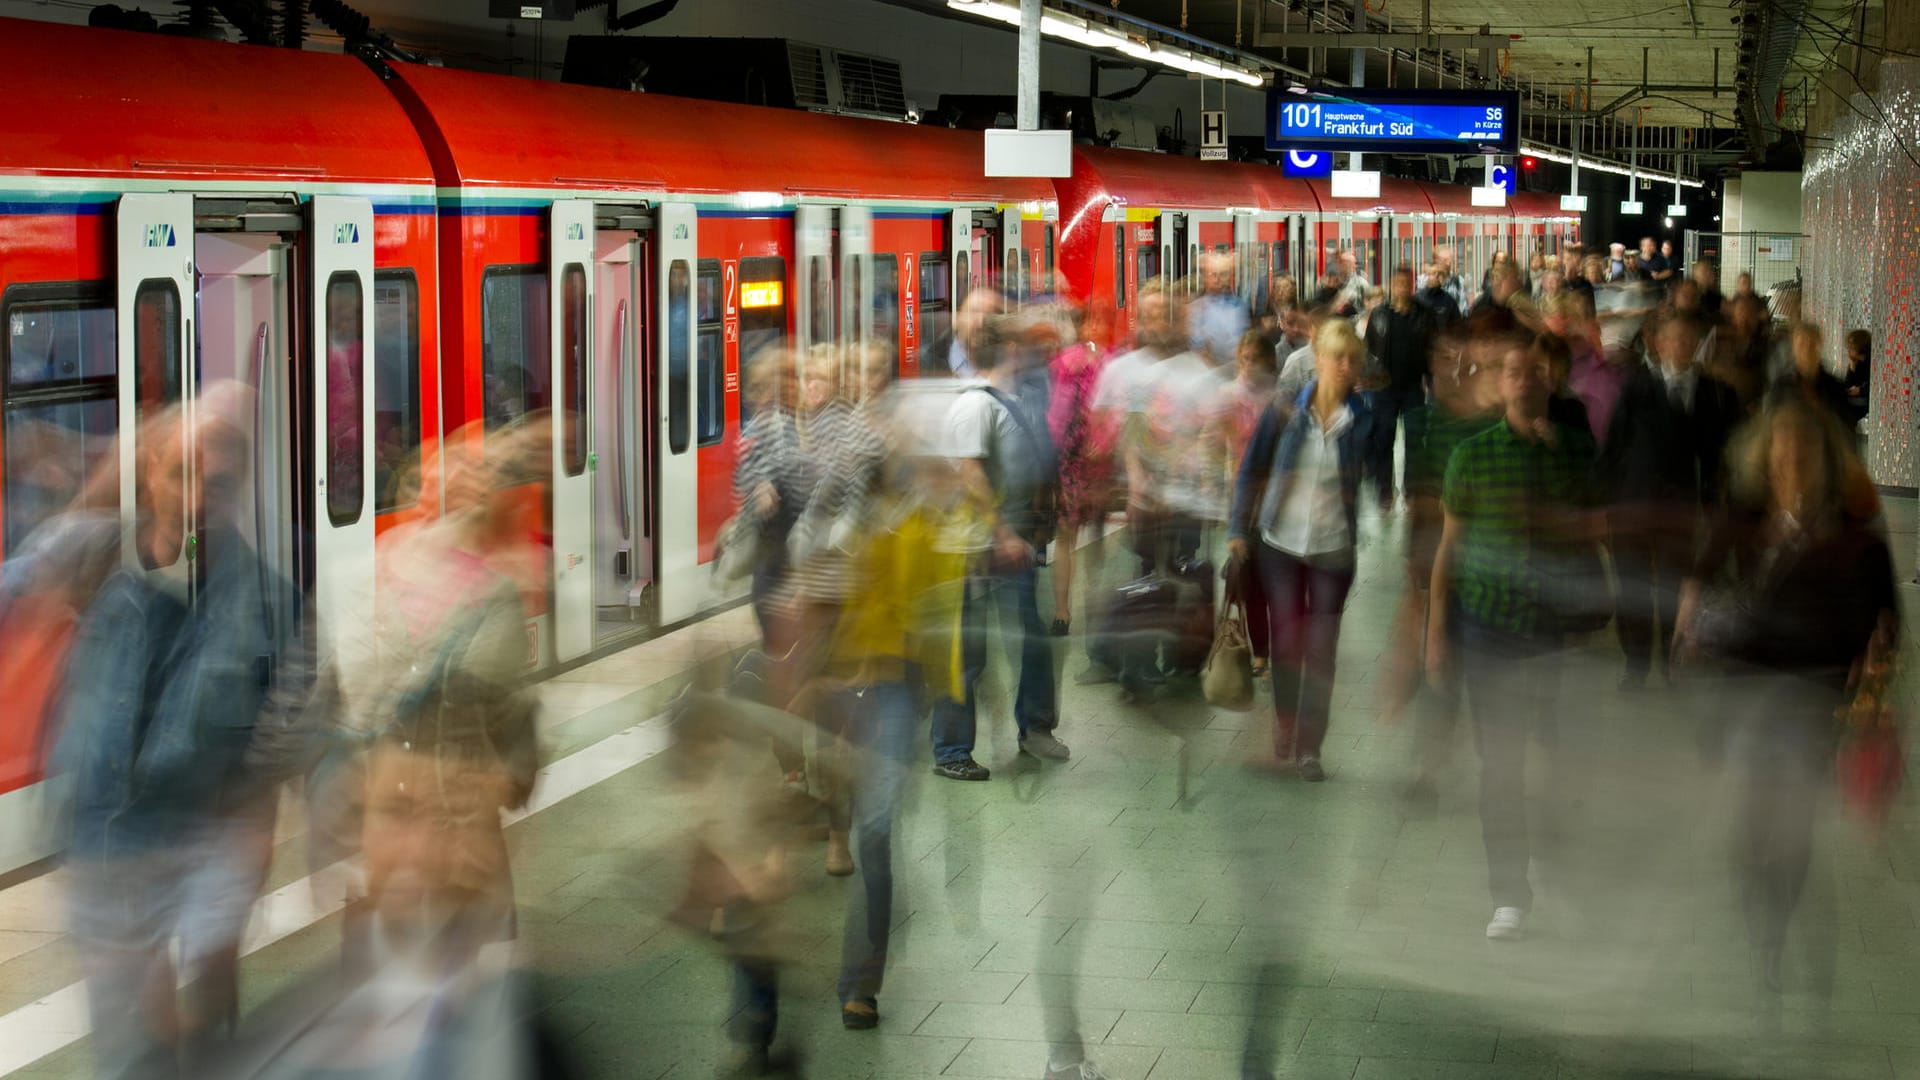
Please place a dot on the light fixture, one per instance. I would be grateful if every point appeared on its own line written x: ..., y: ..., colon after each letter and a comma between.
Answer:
x: 1666, y: 223
x: 1608, y: 167
x: 1066, y: 27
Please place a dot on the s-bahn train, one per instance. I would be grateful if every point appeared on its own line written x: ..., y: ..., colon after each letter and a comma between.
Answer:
x: 392, y: 256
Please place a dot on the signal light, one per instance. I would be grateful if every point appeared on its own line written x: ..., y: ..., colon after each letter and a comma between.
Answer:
x: 1528, y: 163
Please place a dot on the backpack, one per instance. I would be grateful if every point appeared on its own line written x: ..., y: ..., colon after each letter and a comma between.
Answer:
x: 1045, y: 518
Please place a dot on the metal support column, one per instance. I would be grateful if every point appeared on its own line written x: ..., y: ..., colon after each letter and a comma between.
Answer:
x: 1028, y: 118
x: 1357, y: 70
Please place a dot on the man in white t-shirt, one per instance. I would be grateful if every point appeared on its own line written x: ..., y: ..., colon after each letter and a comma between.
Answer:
x: 1005, y: 459
x: 1621, y: 307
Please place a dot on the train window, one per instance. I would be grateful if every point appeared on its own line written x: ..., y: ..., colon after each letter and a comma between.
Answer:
x: 1012, y: 277
x: 156, y: 376
x: 936, y: 291
x: 852, y: 279
x: 60, y: 415
x: 515, y: 346
x: 679, y: 310
x: 573, y: 368
x: 886, y: 304
x: 1120, y: 268
x: 1049, y: 257
x: 396, y: 389
x: 346, y: 398
x: 763, y: 319
x: 820, y: 282
x: 962, y: 274
x: 1147, y: 258
x: 710, y: 418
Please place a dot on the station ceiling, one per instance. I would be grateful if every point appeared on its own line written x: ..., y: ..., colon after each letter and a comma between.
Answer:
x: 1670, y: 44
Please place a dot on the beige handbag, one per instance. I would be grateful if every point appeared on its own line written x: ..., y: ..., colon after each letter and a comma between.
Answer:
x: 1227, y: 678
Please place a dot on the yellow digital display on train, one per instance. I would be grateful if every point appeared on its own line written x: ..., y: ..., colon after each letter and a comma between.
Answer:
x: 762, y: 294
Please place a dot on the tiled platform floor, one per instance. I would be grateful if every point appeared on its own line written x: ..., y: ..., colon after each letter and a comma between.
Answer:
x: 1093, y: 882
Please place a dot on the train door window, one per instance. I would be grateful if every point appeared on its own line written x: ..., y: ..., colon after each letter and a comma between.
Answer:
x: 1047, y: 256
x: 515, y: 349
x: 710, y: 379
x: 820, y: 284
x: 1148, y: 259
x: 1015, y: 285
x: 679, y: 309
x: 156, y: 377
x: 396, y: 389
x: 1120, y: 267
x: 852, y: 277
x: 936, y: 305
x: 763, y: 322
x: 60, y: 416
x: 573, y: 369
x: 886, y: 305
x: 1192, y: 269
x: 961, y: 261
x: 346, y: 395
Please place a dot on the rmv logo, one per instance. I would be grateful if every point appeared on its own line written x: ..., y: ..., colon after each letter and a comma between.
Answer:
x: 160, y: 235
x: 346, y: 233
x: 576, y: 231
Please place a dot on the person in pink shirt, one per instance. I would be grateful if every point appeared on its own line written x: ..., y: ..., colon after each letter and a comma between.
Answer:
x: 1592, y: 379
x: 1084, y: 451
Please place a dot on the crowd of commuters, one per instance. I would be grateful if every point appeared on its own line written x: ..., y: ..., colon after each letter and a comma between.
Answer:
x: 1590, y: 451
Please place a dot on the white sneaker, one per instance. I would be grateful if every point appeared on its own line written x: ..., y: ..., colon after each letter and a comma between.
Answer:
x: 1508, y: 924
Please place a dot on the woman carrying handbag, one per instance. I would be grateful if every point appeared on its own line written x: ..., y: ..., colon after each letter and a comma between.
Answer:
x: 1294, y: 514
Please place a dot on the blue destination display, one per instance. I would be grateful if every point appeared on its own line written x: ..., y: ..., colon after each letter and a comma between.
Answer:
x: 1390, y: 121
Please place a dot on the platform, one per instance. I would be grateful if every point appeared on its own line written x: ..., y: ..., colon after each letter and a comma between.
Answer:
x: 1095, y: 881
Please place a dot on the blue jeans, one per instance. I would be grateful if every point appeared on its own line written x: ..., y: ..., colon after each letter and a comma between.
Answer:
x: 881, y: 725
x: 1017, y: 594
x: 756, y: 1002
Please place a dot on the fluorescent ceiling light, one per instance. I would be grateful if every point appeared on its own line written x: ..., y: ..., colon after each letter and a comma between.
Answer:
x: 1066, y: 27
x: 1549, y: 154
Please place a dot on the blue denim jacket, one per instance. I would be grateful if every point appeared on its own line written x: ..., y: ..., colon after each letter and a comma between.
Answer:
x: 162, y: 704
x: 1270, y: 458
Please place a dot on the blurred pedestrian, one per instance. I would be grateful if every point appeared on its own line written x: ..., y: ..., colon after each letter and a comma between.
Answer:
x: 1084, y: 451
x: 1295, y: 514
x: 1400, y: 338
x: 1515, y: 498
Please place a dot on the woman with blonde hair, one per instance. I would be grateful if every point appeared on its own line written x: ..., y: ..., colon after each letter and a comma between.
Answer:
x: 1294, y: 514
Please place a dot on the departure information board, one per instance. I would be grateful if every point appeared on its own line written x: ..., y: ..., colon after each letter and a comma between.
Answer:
x: 1394, y: 121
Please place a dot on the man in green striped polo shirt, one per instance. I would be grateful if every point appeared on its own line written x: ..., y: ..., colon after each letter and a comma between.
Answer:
x: 1516, y: 503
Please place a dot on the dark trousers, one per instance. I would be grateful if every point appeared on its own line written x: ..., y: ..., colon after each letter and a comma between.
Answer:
x: 1304, y: 602
x: 1016, y: 593
x: 1651, y: 557
x: 1784, y: 746
x: 1252, y: 594
x: 1391, y: 409
x: 1511, y: 684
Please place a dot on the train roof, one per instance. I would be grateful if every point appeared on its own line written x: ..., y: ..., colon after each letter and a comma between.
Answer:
x: 1138, y: 178
x: 505, y: 132
x: 85, y: 102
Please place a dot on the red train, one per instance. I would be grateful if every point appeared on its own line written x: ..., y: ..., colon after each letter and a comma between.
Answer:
x: 393, y: 256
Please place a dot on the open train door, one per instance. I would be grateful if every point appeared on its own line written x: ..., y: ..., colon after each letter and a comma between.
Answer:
x: 154, y: 334
x: 676, y: 480
x: 571, y: 236
x: 342, y: 322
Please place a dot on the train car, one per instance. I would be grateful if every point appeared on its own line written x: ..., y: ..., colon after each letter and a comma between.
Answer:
x: 1129, y: 217
x: 179, y: 213
x: 611, y: 259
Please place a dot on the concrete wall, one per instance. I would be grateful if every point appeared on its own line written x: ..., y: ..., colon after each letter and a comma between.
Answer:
x: 1762, y: 202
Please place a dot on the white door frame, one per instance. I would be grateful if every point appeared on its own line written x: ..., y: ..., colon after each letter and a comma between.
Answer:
x: 570, y: 246
x: 682, y: 590
x: 154, y: 244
